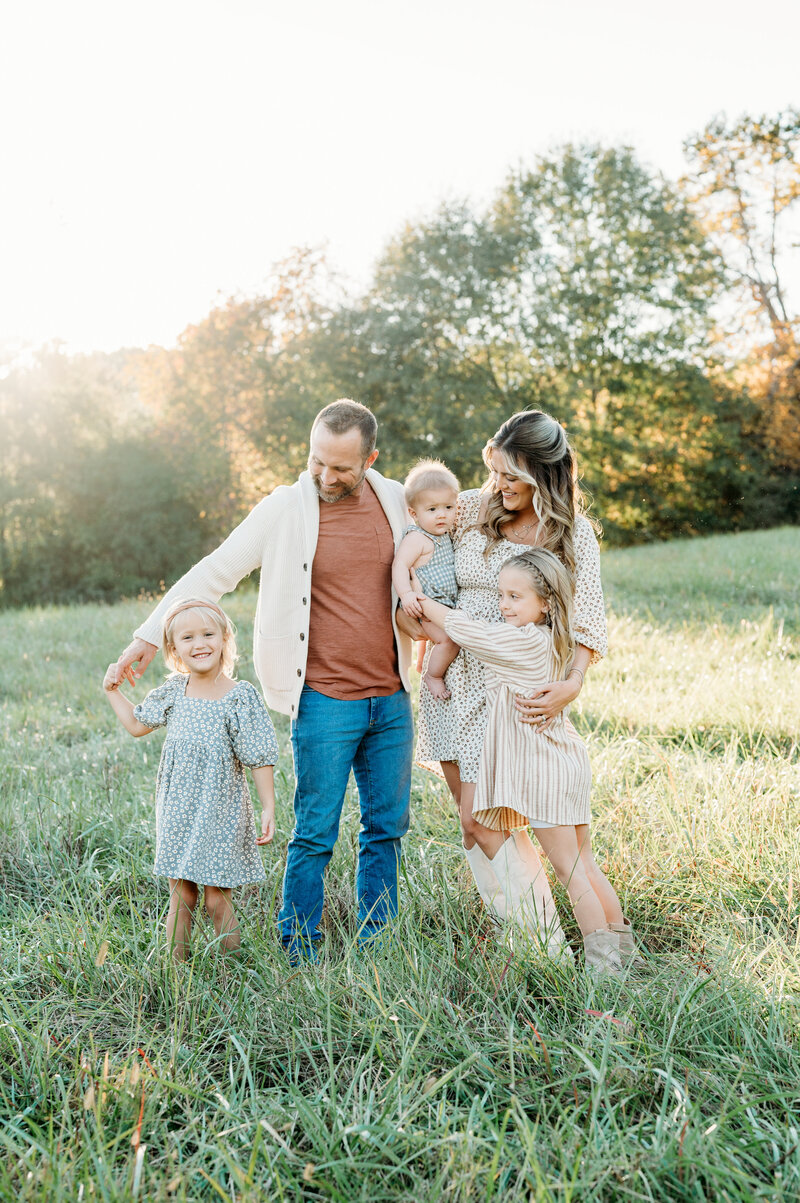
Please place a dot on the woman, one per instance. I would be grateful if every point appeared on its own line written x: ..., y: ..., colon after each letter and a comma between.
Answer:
x: 532, y: 499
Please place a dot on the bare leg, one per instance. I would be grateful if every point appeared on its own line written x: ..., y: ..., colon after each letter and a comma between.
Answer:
x: 490, y: 842
x: 561, y: 848
x: 223, y: 916
x: 442, y: 656
x: 545, y: 903
x: 597, y: 878
x: 408, y: 625
x: 182, y: 901
x: 451, y: 775
x: 473, y: 832
x: 422, y: 647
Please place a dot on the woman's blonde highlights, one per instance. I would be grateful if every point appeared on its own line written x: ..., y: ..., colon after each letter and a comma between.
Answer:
x: 537, y: 451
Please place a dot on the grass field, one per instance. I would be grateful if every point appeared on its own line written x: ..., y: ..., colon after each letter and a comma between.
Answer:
x: 446, y: 1066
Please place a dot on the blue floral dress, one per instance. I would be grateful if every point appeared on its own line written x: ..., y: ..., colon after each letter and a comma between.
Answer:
x: 205, y: 831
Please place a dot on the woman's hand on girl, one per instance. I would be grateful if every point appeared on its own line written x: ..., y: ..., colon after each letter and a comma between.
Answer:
x: 548, y: 703
x: 267, y: 827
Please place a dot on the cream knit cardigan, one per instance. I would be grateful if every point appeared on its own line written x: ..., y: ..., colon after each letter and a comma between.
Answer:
x: 279, y: 536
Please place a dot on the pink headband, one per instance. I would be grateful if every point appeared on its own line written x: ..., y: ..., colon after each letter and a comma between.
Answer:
x: 194, y: 604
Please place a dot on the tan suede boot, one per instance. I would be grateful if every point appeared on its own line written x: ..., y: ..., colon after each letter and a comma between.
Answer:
x: 627, y: 945
x: 601, y: 951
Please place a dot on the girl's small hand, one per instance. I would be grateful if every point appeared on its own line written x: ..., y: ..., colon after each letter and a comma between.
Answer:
x: 267, y: 827
x: 548, y: 703
x: 110, y: 682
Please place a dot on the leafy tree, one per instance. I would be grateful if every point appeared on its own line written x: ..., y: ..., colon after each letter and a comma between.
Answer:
x: 235, y: 398
x: 92, y: 504
x: 584, y: 289
x: 744, y: 181
x: 607, y: 265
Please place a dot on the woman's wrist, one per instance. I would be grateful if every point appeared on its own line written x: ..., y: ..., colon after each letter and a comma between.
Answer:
x: 575, y: 682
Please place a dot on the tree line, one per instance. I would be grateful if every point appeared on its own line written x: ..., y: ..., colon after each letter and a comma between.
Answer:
x: 650, y: 316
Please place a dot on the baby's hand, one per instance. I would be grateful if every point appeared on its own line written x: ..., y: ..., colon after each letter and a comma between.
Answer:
x: 109, y: 680
x: 411, y: 604
x: 267, y: 827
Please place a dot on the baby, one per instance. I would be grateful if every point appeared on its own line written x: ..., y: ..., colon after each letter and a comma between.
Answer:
x: 425, y: 556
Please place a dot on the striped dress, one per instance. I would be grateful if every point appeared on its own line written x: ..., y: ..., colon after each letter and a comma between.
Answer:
x: 454, y: 729
x: 524, y: 775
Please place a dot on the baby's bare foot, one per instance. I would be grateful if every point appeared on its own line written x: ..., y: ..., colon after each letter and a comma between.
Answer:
x: 437, y: 687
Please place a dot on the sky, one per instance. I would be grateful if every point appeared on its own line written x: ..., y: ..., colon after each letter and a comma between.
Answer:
x: 159, y: 156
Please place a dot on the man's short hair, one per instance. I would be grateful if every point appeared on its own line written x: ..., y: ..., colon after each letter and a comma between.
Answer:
x: 343, y: 415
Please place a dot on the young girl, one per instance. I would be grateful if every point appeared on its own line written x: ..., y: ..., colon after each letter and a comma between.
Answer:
x: 425, y: 555
x: 205, y: 834
x: 531, y: 777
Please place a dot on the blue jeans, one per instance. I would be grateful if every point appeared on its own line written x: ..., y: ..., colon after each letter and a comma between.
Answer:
x: 374, y: 737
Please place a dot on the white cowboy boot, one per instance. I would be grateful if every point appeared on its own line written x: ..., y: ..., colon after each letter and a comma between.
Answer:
x: 517, y: 876
x: 556, y: 940
x: 489, y: 887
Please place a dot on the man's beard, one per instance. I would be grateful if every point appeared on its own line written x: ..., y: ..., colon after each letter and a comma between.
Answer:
x: 330, y: 496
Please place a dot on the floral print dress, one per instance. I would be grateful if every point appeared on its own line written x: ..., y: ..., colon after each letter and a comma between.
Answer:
x: 205, y: 830
x: 454, y: 729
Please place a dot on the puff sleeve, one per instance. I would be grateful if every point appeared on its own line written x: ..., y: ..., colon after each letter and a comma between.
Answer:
x: 250, y: 727
x: 153, y: 710
x: 467, y: 511
x: 589, y: 618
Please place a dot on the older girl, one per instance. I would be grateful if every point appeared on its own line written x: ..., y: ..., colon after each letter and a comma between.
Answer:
x: 531, y: 499
x: 529, y: 776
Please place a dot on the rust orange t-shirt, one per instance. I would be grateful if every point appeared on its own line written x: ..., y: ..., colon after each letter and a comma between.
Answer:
x: 351, y: 648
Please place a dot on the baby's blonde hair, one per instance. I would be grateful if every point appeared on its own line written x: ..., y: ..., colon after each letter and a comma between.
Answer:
x: 428, y: 474
x: 553, y: 584
x: 210, y: 613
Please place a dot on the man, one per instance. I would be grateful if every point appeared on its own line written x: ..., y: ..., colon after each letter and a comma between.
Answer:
x: 328, y: 653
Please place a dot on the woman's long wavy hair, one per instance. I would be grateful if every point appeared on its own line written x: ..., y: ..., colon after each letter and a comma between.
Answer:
x: 552, y: 582
x: 537, y: 451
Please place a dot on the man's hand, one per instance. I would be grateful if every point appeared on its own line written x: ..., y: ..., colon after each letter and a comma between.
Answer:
x: 138, y: 653
x: 110, y: 682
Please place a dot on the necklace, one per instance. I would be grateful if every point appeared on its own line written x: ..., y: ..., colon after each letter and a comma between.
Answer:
x: 519, y: 530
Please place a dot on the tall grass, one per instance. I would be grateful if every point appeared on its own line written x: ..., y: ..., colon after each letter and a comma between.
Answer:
x: 447, y: 1064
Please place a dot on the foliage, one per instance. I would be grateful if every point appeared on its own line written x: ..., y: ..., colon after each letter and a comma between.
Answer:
x: 745, y: 182
x: 237, y: 396
x: 585, y: 290
x: 449, y: 1065
x: 93, y: 505
x: 589, y: 286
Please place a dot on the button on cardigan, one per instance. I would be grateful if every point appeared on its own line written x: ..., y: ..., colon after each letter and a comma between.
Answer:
x: 279, y: 536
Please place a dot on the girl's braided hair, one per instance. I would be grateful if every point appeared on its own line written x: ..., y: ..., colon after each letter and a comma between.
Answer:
x: 553, y: 584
